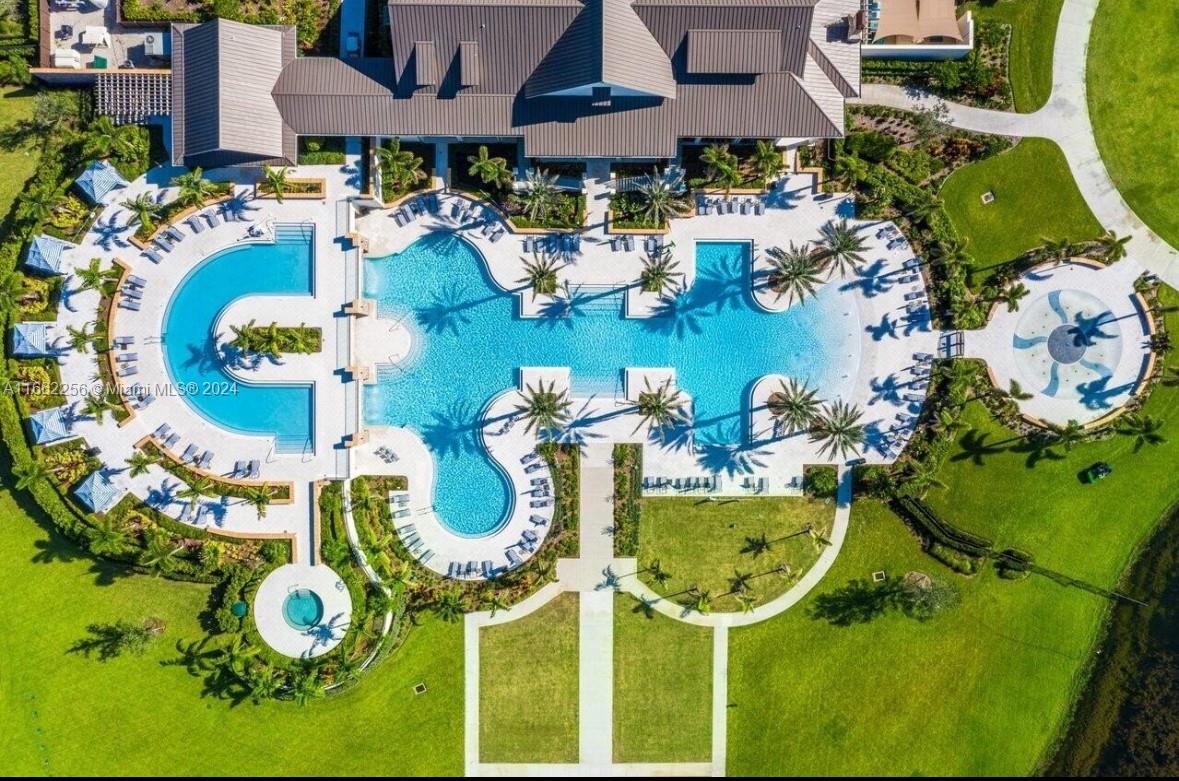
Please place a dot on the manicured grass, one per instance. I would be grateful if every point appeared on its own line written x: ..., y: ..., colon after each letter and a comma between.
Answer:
x: 16, y: 162
x: 528, y: 684
x: 662, y: 687
x: 1033, y: 37
x: 1133, y: 67
x: 985, y: 687
x: 699, y: 543
x: 64, y: 714
x: 1035, y: 197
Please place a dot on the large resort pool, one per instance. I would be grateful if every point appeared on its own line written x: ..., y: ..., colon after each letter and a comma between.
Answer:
x: 197, y: 362
x: 469, y: 343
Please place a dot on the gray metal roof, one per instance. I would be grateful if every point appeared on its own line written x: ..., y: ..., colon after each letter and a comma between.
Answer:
x: 222, y: 114
x: 734, y: 51
x: 795, y: 90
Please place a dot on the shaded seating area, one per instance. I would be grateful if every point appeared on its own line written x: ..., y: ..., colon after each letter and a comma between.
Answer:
x: 917, y: 21
x: 97, y: 492
x: 98, y: 181
x: 45, y: 253
x: 31, y: 340
x: 49, y: 425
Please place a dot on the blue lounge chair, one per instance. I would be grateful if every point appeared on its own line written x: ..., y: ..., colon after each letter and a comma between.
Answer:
x: 129, y: 370
x: 129, y: 303
x: 162, y: 431
x: 152, y: 255
x: 195, y: 223
x: 189, y: 452
x: 538, y: 520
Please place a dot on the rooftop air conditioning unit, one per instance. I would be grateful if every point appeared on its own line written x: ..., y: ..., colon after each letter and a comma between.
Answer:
x: 157, y: 44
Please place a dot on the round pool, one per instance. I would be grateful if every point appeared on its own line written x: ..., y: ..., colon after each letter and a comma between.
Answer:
x: 302, y: 609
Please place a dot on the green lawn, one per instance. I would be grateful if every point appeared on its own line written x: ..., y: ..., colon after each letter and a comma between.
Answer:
x: 985, y: 687
x: 16, y: 162
x: 64, y: 714
x: 528, y: 684
x: 1033, y: 37
x: 699, y: 543
x: 1035, y: 197
x: 1133, y: 65
x: 662, y: 687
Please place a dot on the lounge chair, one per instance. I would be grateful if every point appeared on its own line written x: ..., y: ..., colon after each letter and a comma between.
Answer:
x: 195, y: 223
x: 129, y: 303
x: 186, y: 513
x: 205, y: 459
x: 124, y: 357
x: 455, y: 210
x: 171, y: 441
x: 759, y: 207
x: 253, y: 468
x: 528, y: 244
x: 914, y: 296
x: 538, y: 481
x: 402, y: 513
x: 129, y: 370
x: 630, y: 243
x: 189, y: 452
x: 139, y: 282
x: 165, y: 243
x: 454, y: 570
x: 162, y: 431
x: 535, y: 467
x: 152, y: 255
x: 923, y: 357
x: 174, y: 233
x: 239, y: 467
x: 538, y: 520
x: 530, y: 456
x: 213, y: 219
x: 529, y: 535
x: 915, y: 398
x: 426, y: 556
x: 497, y: 235
x: 146, y: 400
x: 514, y: 559
x: 488, y: 568
x: 540, y: 502
x: 131, y: 292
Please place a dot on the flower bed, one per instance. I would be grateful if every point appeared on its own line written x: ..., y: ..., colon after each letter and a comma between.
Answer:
x: 310, y: 189
x: 280, y: 493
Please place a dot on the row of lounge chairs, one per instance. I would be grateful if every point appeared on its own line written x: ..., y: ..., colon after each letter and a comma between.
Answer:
x: 705, y: 205
x: 167, y: 239
x: 416, y: 207
x: 567, y: 243
x: 246, y: 470
x: 399, y: 501
x: 193, y: 456
x: 624, y: 242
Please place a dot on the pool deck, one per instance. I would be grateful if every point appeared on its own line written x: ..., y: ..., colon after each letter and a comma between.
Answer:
x: 267, y: 610
x: 880, y: 366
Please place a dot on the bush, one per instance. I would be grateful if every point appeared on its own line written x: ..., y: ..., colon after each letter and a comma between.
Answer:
x: 628, y: 494
x: 960, y: 562
x: 820, y: 482
x: 873, y: 146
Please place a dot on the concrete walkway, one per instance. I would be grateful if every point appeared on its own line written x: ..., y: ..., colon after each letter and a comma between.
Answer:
x: 1064, y: 120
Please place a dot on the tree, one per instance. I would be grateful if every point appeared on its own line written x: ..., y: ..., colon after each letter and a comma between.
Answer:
x: 198, y: 487
x: 490, y: 170
x: 1012, y: 295
x: 921, y: 475
x: 402, y: 167
x: 1145, y: 430
x: 36, y: 203
x: 103, y: 139
x: 657, y: 572
x: 1016, y: 392
x: 194, y: 188
x: 747, y: 602
x: 262, y: 683
x: 702, y: 601
x: 660, y: 408
x: 140, y: 461
x: 29, y: 473
x: 81, y: 338
x: 260, y: 498
x: 96, y: 405
x: 307, y: 687
x: 540, y: 194
x: 767, y: 161
x: 658, y: 274
x: 739, y: 583
x: 12, y: 290
x: 795, y: 272
x: 450, y: 606
x: 495, y: 602
x: 838, y: 429
x: 541, y: 275
x: 842, y: 246
x: 1113, y: 248
x: 1055, y: 249
x: 160, y: 555
x: 546, y: 410
x: 93, y: 276
x: 107, y: 538
x: 276, y: 181
x: 1067, y: 436
x: 144, y: 211
x: 109, y: 641
x: 53, y: 110
x: 851, y: 169
x: 795, y: 406
x: 722, y: 165
x: 662, y: 201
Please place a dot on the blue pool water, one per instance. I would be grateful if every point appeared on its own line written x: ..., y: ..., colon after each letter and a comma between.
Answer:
x: 190, y: 349
x: 302, y: 609
x: 469, y: 343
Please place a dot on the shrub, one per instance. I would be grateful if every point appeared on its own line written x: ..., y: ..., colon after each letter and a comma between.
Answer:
x: 628, y: 491
x: 873, y: 146
x: 820, y: 481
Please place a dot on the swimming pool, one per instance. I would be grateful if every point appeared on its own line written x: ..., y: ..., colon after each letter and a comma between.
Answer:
x: 194, y: 362
x: 469, y: 343
x: 302, y: 609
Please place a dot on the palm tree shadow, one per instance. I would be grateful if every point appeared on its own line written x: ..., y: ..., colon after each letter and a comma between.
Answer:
x: 885, y: 329
x: 887, y: 390
x: 871, y: 280
x: 108, y: 232
x: 975, y: 448
x: 454, y: 430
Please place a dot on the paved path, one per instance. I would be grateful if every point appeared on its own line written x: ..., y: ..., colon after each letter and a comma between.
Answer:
x: 1064, y: 120
x: 720, y: 699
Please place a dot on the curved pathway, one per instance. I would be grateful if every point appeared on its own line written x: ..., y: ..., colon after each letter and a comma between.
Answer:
x: 1064, y: 120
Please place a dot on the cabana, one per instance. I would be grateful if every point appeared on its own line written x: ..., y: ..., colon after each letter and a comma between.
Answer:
x: 98, y: 181
x: 49, y: 425
x: 44, y: 255
x: 30, y: 340
x: 917, y: 21
x: 97, y: 492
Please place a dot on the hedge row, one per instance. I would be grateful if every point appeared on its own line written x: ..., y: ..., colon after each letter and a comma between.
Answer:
x: 628, y: 494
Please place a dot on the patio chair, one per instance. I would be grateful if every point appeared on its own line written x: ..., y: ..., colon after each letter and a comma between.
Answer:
x: 402, y: 513
x: 205, y: 459
x: 488, y: 568
x: 139, y: 282
x: 185, y: 513
x: 152, y: 255
x: 529, y: 535
x: 538, y: 520
x: 399, y: 218
x: 533, y: 468
x: 453, y: 570
x: 539, y: 481
x: 540, y: 503
x: 514, y: 559
x: 530, y: 456
x: 195, y: 223
x: 129, y: 303
x: 528, y: 244
x: 239, y: 467
x: 171, y: 441
x: 213, y: 219
x: 129, y: 370
x: 759, y: 207
x: 426, y: 556
x: 253, y: 468
x: 629, y: 241
x: 161, y: 431
x: 189, y: 452
x: 497, y: 235
x: 173, y: 233
x: 131, y: 292
x: 455, y: 210
x: 914, y: 296
x: 147, y: 400
x: 124, y: 357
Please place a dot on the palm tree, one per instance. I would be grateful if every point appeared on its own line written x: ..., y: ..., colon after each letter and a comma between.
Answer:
x: 767, y: 161
x: 263, y: 683
x: 541, y: 275
x: 81, y: 338
x: 546, y: 410
x: 1068, y: 435
x: 739, y: 583
x: 307, y: 687
x: 198, y: 486
x: 276, y: 181
x: 103, y: 139
x: 29, y: 473
x: 270, y: 339
x: 495, y: 602
x: 96, y: 405
x: 107, y: 538
x: 660, y: 408
x: 140, y: 461
x: 490, y: 170
x: 662, y: 201
x: 195, y: 189
x: 657, y: 572
x: 851, y: 169
x: 842, y: 246
x: 747, y: 602
x: 1016, y: 392
x: 92, y: 277
x: 144, y: 211
x: 721, y: 164
x: 1012, y: 295
x: 1055, y: 249
x: 12, y: 290
x: 160, y: 555
x: 795, y: 406
x: 36, y: 204
x: 795, y: 272
x: 401, y: 166
x: 540, y: 194
x: 402, y: 578
x: 1113, y: 248
x: 924, y: 207
x: 702, y: 601
x: 658, y: 274
x: 260, y: 498
x: 838, y: 428
x: 922, y: 475
x: 1145, y: 430
x: 450, y: 607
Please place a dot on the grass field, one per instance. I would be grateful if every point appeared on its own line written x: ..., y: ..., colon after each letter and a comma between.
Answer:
x: 1035, y: 197
x: 985, y: 687
x: 528, y: 686
x: 16, y: 164
x: 1132, y: 67
x: 662, y: 687
x: 1033, y: 37
x: 699, y: 543
x: 64, y: 714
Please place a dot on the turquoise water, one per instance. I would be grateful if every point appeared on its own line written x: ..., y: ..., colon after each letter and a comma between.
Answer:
x: 469, y: 343
x: 302, y: 609
x: 190, y: 349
